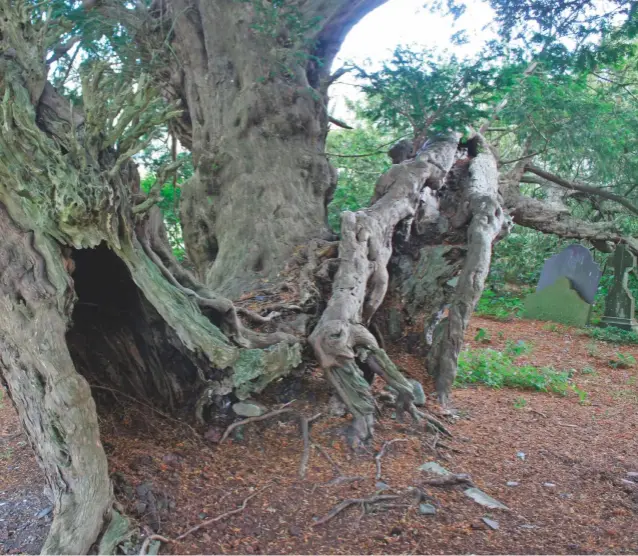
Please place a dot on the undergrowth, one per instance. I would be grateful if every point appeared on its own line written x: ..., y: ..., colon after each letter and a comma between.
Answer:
x: 612, y: 335
x: 502, y: 305
x: 499, y: 370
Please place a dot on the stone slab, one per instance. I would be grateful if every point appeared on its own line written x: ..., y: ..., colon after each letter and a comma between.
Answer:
x: 559, y: 302
x: 576, y: 263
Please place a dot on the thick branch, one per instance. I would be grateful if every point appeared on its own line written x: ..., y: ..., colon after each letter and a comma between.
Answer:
x: 576, y: 186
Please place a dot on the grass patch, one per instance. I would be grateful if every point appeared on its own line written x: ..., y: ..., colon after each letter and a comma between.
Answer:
x: 499, y: 370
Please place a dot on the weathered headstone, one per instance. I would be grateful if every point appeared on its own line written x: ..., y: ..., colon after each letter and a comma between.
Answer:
x: 620, y: 305
x: 559, y: 302
x: 576, y: 263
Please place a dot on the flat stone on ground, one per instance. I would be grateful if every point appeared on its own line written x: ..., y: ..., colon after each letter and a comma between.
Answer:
x: 249, y: 409
x: 435, y: 468
x: 483, y: 499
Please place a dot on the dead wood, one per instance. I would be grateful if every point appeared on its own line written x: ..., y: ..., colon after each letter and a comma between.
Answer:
x: 263, y: 417
x: 354, y: 501
x: 222, y: 516
x: 381, y: 453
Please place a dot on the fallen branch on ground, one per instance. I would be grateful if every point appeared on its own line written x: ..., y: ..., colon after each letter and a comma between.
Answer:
x: 351, y: 502
x: 381, y: 453
x: 263, y: 417
x: 222, y: 516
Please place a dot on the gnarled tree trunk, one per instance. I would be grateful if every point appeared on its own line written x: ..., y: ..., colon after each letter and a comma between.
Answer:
x: 254, y: 79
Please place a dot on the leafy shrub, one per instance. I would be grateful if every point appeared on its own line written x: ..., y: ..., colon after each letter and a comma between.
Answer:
x: 498, y: 370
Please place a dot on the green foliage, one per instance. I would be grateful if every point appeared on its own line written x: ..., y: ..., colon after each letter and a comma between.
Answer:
x: 501, y: 305
x: 519, y: 257
x: 483, y: 336
x: 425, y: 93
x: 612, y: 335
x: 518, y: 348
x: 588, y: 370
x: 623, y: 361
x: 499, y: 370
x: 357, y: 174
x: 520, y: 402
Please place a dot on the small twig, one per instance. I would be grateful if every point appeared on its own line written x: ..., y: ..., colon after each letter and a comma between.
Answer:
x: 151, y: 538
x: 352, y: 501
x: 566, y: 425
x: 330, y: 460
x: 222, y: 516
x: 378, y: 457
x: 268, y: 415
x: 538, y: 413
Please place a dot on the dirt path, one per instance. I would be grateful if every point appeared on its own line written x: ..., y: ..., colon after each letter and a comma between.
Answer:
x: 570, y: 496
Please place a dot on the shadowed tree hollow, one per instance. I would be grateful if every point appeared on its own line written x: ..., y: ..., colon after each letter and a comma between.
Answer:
x: 91, y: 294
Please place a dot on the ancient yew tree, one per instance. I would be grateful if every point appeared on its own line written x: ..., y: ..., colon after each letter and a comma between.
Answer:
x: 91, y: 294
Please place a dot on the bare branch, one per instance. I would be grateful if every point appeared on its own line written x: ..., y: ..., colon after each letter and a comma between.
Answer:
x: 339, y: 123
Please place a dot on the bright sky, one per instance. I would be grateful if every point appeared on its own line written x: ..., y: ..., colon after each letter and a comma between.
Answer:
x: 406, y: 22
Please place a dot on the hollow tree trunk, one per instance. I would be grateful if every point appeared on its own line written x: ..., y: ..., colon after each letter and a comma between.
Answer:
x: 254, y: 82
x: 76, y: 249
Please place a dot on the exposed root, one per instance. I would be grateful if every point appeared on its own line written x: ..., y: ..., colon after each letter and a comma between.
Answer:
x: 263, y: 417
x: 148, y: 540
x: 222, y: 516
x: 381, y: 453
x: 363, y: 502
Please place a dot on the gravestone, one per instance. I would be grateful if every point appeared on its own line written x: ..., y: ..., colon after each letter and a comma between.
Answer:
x: 619, y: 305
x: 576, y: 263
x: 559, y: 302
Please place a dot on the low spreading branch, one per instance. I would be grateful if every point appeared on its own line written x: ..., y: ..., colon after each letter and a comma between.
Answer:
x: 576, y: 186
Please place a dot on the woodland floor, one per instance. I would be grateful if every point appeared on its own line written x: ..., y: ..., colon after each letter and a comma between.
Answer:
x: 584, y: 449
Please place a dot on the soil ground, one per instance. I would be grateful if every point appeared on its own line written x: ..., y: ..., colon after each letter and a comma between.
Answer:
x: 570, y: 458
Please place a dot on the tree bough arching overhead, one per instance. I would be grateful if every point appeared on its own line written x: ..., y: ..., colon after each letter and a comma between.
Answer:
x: 91, y: 294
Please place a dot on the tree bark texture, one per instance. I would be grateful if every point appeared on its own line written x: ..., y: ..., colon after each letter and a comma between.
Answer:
x: 254, y: 81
